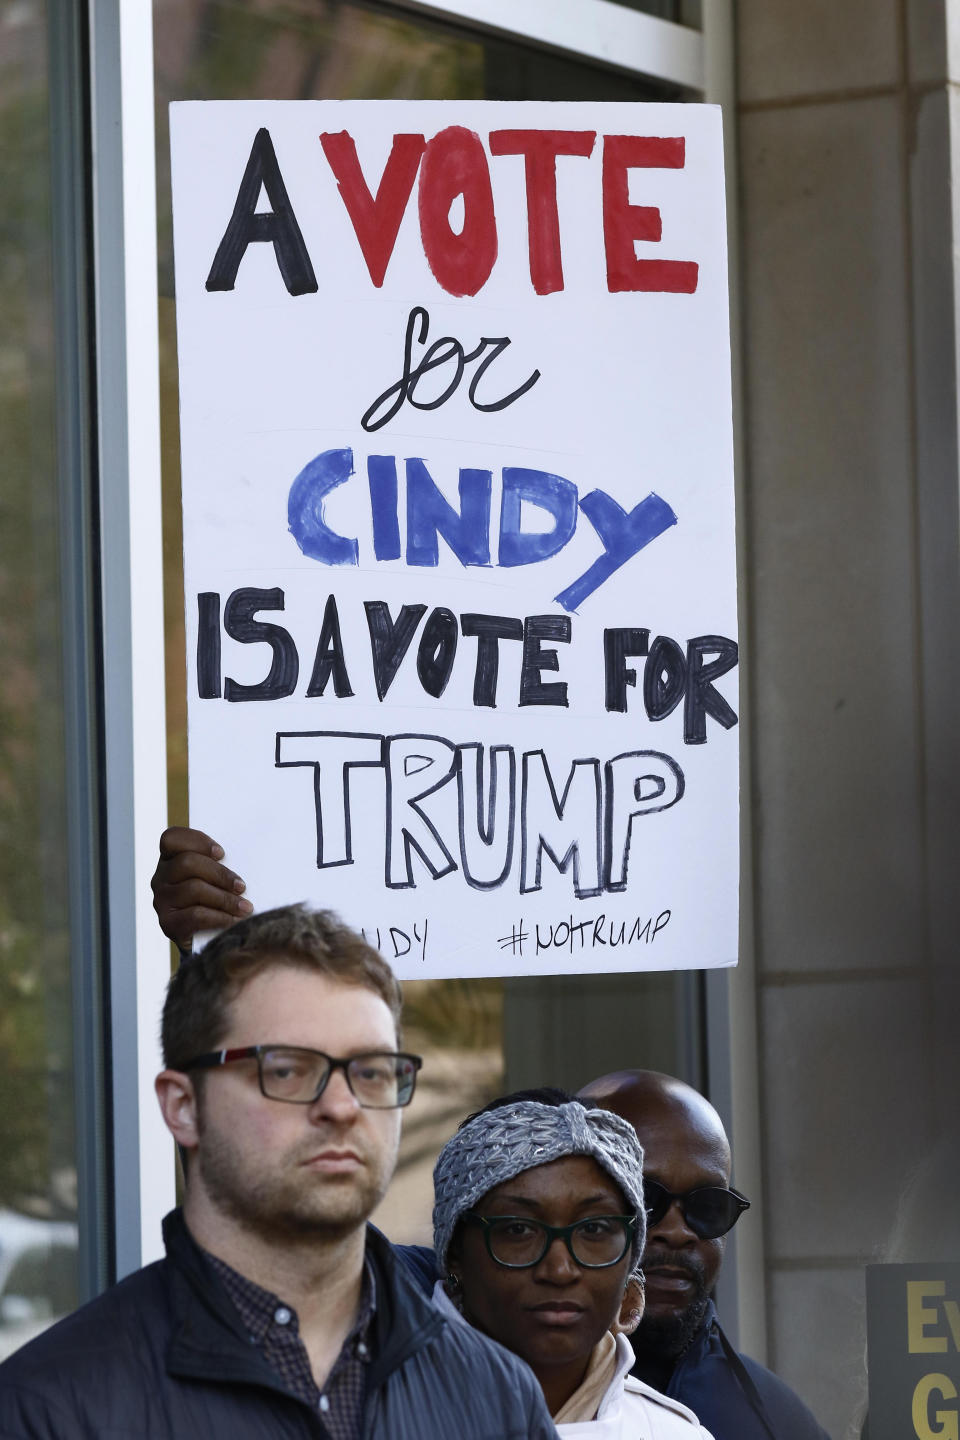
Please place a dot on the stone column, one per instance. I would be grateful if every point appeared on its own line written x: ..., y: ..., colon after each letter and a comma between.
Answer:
x: 848, y: 229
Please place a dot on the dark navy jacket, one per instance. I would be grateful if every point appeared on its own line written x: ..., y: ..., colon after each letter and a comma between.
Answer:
x: 164, y: 1356
x: 733, y: 1396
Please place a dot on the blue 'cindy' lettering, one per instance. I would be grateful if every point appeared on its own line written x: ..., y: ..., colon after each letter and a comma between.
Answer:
x: 430, y: 515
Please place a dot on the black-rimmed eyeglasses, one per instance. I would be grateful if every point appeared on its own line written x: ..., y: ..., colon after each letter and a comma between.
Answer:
x: 518, y: 1242
x: 709, y: 1211
x: 379, y: 1080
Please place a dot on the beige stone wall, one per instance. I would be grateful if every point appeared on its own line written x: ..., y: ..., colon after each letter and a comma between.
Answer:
x: 849, y: 495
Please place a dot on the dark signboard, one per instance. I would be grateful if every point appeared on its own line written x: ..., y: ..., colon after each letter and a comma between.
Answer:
x: 913, y: 1351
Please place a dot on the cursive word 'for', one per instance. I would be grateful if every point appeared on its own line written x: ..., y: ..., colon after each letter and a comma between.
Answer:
x: 440, y: 353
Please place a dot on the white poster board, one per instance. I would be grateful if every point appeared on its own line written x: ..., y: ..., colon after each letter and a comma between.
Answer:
x: 458, y: 524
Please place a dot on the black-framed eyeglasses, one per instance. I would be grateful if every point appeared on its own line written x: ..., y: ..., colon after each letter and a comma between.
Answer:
x: 518, y: 1242
x: 709, y: 1211
x: 378, y: 1080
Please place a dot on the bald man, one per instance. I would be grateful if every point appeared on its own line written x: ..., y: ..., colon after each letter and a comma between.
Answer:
x: 679, y: 1345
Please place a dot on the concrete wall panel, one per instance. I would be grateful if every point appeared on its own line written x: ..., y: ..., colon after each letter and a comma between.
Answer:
x: 846, y: 1095
x: 926, y: 41
x: 818, y: 1317
x: 812, y: 47
x: 831, y: 526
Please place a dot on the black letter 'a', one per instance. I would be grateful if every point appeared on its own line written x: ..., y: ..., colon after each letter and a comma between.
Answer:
x: 279, y: 226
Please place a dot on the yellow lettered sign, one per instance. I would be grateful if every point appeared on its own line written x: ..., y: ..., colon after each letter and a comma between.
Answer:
x: 913, y: 1351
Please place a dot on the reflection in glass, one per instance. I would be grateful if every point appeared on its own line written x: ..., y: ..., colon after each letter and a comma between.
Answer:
x: 457, y: 1026
x: 38, y: 1231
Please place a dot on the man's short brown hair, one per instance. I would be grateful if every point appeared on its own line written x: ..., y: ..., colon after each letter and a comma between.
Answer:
x: 195, y: 1014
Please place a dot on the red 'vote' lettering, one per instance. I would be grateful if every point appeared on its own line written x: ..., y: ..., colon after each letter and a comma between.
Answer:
x: 375, y: 221
x: 623, y: 223
x: 454, y: 163
x: 540, y: 149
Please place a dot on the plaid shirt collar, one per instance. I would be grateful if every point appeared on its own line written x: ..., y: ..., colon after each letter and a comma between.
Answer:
x: 273, y: 1326
x: 258, y: 1307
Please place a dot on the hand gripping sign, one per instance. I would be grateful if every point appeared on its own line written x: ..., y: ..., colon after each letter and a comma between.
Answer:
x: 458, y: 523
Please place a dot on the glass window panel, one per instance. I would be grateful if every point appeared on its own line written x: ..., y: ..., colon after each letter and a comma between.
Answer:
x: 38, y: 1176
x: 476, y: 1036
x: 681, y: 12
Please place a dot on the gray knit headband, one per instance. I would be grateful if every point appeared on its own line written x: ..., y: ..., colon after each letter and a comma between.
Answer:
x: 500, y: 1144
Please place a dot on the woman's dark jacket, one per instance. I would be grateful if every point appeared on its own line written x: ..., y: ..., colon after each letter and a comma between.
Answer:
x: 164, y: 1356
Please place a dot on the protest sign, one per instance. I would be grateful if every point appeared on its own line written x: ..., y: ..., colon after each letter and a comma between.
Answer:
x: 458, y: 523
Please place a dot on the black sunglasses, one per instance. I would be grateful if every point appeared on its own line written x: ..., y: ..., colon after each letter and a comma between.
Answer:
x: 709, y: 1211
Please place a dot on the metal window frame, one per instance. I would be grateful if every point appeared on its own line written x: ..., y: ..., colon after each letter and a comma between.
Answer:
x: 131, y: 611
x: 593, y: 30
x: 731, y: 996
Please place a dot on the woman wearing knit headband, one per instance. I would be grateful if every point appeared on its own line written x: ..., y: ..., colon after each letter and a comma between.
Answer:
x: 539, y: 1227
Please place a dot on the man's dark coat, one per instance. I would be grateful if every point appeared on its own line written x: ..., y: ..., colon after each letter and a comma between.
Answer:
x: 164, y: 1356
x: 733, y: 1396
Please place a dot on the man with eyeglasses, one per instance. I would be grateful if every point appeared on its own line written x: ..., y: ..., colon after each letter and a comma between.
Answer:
x: 277, y: 1312
x: 679, y: 1344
